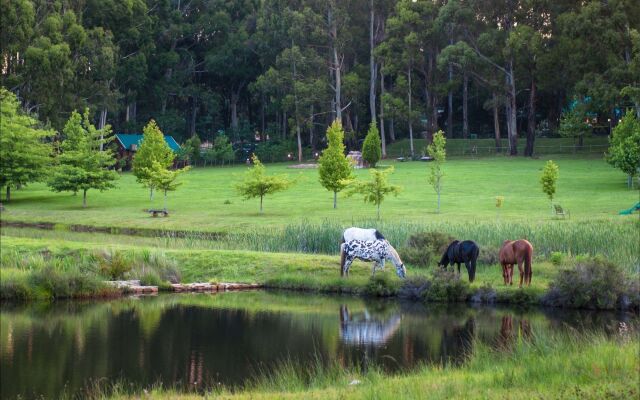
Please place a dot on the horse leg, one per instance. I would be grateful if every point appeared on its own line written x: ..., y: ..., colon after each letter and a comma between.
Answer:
x: 347, y: 264
x: 458, y: 264
x: 504, y: 273
x: 510, y: 273
x: 521, y: 270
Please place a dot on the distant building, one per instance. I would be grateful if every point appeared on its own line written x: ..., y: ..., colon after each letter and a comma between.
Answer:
x: 128, y: 145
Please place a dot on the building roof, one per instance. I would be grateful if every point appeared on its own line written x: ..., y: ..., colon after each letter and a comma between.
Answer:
x: 126, y: 140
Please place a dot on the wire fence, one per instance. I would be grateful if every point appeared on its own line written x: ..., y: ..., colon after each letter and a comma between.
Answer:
x: 483, y: 151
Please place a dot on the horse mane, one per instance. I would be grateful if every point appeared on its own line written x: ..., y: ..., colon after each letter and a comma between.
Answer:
x: 394, y: 253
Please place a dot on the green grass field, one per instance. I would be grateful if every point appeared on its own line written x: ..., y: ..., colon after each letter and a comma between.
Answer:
x: 588, y: 187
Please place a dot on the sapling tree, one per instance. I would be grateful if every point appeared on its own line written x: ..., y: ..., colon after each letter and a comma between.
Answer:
x: 258, y: 184
x: 163, y: 179
x: 372, y: 146
x: 24, y: 151
x: 624, y: 148
x: 437, y: 151
x: 152, y: 148
x: 548, y: 180
x: 334, y: 167
x: 82, y: 165
x: 375, y: 190
x: 573, y: 123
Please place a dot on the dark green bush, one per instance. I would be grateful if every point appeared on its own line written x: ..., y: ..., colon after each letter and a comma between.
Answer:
x: 14, y: 288
x: 446, y: 286
x: 593, y: 283
x: 380, y: 286
x: 556, y: 258
x: 414, y: 288
x: 484, y: 295
x: 425, y: 248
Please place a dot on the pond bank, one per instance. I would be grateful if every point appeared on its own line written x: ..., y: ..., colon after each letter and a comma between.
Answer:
x: 53, y: 269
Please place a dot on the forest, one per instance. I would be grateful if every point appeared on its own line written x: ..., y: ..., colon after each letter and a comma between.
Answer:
x: 284, y: 69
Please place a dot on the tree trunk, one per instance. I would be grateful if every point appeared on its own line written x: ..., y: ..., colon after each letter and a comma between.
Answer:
x: 336, y: 67
x: 372, y: 66
x: 513, y: 131
x: 235, y: 96
x: 165, y: 200
x: 378, y: 210
x: 261, y: 204
x: 101, y: 125
x: 410, y: 111
x: 8, y: 193
x: 382, y: 135
x: 335, y: 200
x: 438, y: 212
x: 150, y: 194
x: 299, y: 142
x: 284, y: 125
x: 84, y: 198
x: 496, y: 123
x: 531, y: 121
x: 392, y: 131
x: 450, y: 104
x: 465, y: 105
x: 262, y: 117
x: 194, y: 110
x: 311, y: 130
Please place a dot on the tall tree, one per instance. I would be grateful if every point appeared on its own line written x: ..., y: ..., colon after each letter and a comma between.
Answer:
x: 334, y: 169
x: 25, y: 154
x: 152, y: 148
x: 82, y: 165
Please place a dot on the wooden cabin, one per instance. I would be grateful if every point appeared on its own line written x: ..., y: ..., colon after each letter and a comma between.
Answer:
x: 128, y: 145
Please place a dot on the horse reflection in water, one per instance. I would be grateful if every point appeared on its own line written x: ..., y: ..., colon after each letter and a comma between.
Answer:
x: 508, y: 334
x: 363, y: 329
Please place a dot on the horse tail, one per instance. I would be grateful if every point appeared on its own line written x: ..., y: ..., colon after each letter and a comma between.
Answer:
x: 379, y: 235
x: 527, y: 263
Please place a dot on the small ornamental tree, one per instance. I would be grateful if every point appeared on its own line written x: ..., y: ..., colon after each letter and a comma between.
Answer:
x: 437, y: 151
x: 372, y: 146
x: 375, y: 190
x: 573, y: 124
x: 624, y: 148
x: 548, y: 180
x: 82, y: 165
x: 258, y: 184
x: 163, y: 179
x: 334, y: 167
x: 152, y: 148
x: 24, y: 154
x: 223, y: 149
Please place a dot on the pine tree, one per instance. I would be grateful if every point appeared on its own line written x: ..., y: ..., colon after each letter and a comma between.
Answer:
x: 24, y: 154
x: 334, y: 167
x: 258, y: 184
x: 82, y: 165
x: 372, y: 146
x: 153, y: 148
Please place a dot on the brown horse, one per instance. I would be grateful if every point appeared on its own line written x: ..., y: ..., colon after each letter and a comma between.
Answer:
x: 516, y: 252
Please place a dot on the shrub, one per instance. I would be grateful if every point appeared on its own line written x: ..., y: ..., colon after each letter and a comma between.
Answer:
x: 556, y: 258
x: 593, y: 283
x: 489, y: 255
x: 446, y: 286
x: 484, y: 295
x: 114, y: 265
x: 380, y: 286
x: 424, y: 248
x: 414, y: 288
x: 372, y: 146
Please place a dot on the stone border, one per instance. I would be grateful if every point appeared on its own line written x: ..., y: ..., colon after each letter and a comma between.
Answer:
x: 134, y: 286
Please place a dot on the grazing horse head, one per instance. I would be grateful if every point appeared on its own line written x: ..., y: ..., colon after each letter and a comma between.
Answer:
x: 401, y: 270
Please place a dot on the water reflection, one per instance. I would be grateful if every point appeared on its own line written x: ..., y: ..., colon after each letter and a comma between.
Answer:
x: 196, y: 341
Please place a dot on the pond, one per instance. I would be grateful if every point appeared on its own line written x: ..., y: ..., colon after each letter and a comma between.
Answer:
x: 196, y: 341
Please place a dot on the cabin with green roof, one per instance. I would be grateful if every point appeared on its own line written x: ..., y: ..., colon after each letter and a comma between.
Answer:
x: 128, y: 144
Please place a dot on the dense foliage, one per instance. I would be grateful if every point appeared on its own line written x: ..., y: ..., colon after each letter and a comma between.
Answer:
x: 549, y: 177
x: 281, y: 68
x: 371, y: 147
x: 24, y: 156
x: 624, y: 152
x: 257, y: 183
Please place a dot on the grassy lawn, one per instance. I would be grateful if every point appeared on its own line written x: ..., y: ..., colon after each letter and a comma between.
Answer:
x: 588, y: 187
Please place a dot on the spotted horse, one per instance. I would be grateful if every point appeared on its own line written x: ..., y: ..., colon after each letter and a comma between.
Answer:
x: 376, y: 251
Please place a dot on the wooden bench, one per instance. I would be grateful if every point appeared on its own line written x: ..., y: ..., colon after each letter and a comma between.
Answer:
x: 155, y: 213
x: 560, y: 211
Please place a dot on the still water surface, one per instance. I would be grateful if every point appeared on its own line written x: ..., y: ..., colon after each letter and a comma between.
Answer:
x: 194, y: 342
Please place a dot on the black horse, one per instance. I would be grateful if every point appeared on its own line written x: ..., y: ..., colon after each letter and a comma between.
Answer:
x: 461, y: 252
